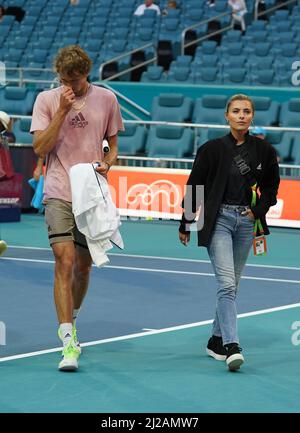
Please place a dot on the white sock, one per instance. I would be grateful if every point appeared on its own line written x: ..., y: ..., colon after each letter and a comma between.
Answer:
x: 75, y: 314
x: 65, y: 332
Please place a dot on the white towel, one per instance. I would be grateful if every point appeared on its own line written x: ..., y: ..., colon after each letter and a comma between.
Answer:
x: 95, y: 214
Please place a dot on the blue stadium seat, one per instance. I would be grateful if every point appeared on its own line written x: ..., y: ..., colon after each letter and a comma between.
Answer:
x: 132, y: 140
x: 207, y: 75
x: 205, y: 60
x: 170, y: 142
x: 182, y: 60
x: 295, y: 153
x: 153, y: 74
x: 282, y: 142
x: 210, y: 109
x: 180, y: 74
x: 237, y: 77
x: 21, y: 129
x: 17, y: 100
x: 231, y: 36
x: 207, y: 47
x: 233, y: 49
x: 290, y: 113
x: 173, y: 107
x: 212, y: 134
x: 233, y: 62
x: 266, y: 111
x: 264, y: 77
x: 258, y: 63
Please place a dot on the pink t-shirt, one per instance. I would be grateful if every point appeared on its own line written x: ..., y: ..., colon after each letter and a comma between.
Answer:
x: 80, y: 137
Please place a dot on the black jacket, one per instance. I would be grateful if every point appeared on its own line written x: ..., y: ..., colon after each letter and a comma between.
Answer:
x: 211, y: 169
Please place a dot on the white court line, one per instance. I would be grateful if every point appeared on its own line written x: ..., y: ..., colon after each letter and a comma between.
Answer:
x: 166, y: 258
x: 147, y: 333
x: 165, y: 271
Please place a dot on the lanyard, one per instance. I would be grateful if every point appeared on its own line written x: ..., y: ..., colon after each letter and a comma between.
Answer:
x: 257, y: 225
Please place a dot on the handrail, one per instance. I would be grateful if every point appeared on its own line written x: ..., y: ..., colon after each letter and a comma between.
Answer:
x: 186, y: 124
x: 129, y: 101
x: 21, y: 80
x: 271, y: 9
x: 121, y: 56
x: 129, y: 112
x: 184, y: 160
x: 200, y: 23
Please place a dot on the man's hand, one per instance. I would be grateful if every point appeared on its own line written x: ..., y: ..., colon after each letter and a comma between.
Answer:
x: 67, y: 99
x: 102, y: 168
x: 37, y: 173
x: 184, y: 238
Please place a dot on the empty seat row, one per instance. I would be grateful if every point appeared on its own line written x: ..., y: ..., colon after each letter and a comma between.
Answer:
x: 211, y: 108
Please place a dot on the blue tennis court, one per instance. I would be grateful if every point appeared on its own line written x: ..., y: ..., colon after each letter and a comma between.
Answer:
x: 144, y: 328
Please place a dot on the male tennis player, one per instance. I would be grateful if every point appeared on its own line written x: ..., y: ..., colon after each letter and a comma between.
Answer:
x: 69, y: 124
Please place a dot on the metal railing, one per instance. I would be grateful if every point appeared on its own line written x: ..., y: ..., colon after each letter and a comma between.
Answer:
x: 127, y: 100
x: 133, y: 68
x: 271, y: 9
x: 22, y: 72
x: 290, y: 171
x: 208, y: 35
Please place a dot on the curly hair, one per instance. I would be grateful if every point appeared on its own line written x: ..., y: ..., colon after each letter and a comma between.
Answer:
x: 72, y: 60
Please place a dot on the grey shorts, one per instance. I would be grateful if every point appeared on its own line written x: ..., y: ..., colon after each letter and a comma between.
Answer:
x: 61, y: 223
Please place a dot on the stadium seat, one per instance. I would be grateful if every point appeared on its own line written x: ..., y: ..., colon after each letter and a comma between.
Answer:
x: 295, y: 154
x: 173, y: 107
x: 207, y: 75
x: 205, y: 60
x: 180, y: 74
x: 264, y: 77
x: 17, y: 100
x: 237, y: 77
x: 282, y: 142
x: 232, y: 36
x: 210, y: 109
x: 170, y: 142
x: 211, y: 134
x: 207, y: 47
x: 153, y: 74
x: 132, y: 140
x: 290, y: 113
x: 266, y: 111
x: 21, y: 129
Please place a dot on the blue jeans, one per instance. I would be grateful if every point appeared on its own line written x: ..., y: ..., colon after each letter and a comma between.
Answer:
x: 228, y: 251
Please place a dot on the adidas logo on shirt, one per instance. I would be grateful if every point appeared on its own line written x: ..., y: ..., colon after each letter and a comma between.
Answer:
x: 78, y: 121
x: 259, y: 166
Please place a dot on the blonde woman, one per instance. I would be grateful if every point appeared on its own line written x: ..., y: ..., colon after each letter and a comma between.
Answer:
x: 229, y: 214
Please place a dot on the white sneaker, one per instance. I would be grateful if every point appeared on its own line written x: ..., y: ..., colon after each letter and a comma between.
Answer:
x: 70, y: 355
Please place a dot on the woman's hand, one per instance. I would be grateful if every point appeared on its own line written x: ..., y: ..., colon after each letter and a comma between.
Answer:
x: 184, y: 238
x: 249, y: 214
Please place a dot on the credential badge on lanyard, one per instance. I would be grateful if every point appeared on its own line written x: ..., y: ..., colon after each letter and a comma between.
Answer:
x: 259, y: 240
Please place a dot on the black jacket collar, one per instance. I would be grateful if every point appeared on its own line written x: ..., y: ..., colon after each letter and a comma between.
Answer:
x: 234, y: 140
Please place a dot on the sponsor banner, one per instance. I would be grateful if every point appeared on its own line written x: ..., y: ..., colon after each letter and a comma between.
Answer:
x: 158, y: 193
